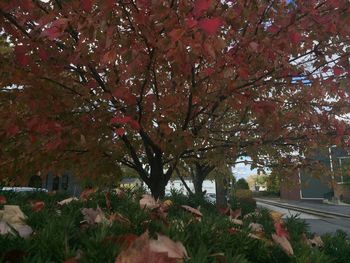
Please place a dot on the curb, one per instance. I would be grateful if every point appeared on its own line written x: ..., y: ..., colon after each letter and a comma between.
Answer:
x: 304, y: 209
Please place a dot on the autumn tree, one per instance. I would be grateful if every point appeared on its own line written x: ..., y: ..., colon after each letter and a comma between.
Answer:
x: 93, y: 84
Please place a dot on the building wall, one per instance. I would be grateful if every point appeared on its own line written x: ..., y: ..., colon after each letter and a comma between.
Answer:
x: 290, y: 187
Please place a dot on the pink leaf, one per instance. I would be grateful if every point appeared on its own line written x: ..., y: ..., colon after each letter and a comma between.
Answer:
x: 280, y: 231
x: 337, y: 71
x: 86, y: 5
x: 120, y: 120
x: 120, y: 131
x: 210, y: 25
x: 21, y: 57
x: 254, y: 46
x: 295, y: 37
x: 56, y: 29
x: 201, y: 6
x: 191, y: 22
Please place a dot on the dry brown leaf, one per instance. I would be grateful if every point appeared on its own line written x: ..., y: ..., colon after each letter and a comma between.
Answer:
x: 283, y: 242
x: 86, y: 194
x: 316, y: 241
x: 276, y: 216
x: 235, y: 213
x: 117, y: 217
x: 147, y: 201
x: 4, y: 228
x: 68, y: 200
x: 94, y: 216
x: 236, y: 221
x: 256, y: 228
x: 14, y: 217
x: 164, y: 244
x: 192, y: 210
x: 143, y: 250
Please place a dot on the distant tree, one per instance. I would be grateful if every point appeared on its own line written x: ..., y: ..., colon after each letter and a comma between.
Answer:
x: 241, y: 184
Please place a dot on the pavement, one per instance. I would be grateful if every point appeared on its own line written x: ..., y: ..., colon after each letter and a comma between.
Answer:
x: 317, y: 223
x: 339, y: 209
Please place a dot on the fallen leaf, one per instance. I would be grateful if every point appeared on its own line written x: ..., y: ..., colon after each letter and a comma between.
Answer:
x: 147, y: 201
x: 164, y: 244
x: 276, y: 216
x: 162, y: 250
x: 316, y: 241
x: 94, y: 216
x: 37, y: 206
x: 255, y: 227
x: 192, y: 210
x: 85, y: 195
x: 68, y: 200
x: 235, y: 213
x: 236, y: 221
x: 4, y: 228
x: 167, y: 203
x: 280, y: 231
x: 2, y: 200
x: 283, y: 242
x: 14, y: 217
x: 117, y: 217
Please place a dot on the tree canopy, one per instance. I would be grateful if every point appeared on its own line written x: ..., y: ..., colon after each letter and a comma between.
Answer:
x: 90, y: 84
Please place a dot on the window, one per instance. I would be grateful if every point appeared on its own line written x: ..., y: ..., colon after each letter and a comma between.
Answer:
x: 65, y: 180
x: 344, y: 170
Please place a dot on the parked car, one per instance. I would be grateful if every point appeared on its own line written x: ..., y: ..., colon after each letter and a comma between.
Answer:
x: 23, y: 189
x: 211, y: 197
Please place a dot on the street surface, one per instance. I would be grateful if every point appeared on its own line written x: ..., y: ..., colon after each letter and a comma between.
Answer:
x: 318, y: 224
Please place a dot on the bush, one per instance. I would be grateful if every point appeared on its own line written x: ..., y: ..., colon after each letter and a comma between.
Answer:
x: 59, y: 233
x: 243, y: 198
x: 241, y: 184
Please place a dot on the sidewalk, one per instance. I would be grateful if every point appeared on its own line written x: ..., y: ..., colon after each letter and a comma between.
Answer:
x: 340, y: 209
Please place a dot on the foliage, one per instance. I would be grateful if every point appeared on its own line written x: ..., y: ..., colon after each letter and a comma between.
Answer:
x: 243, y: 198
x: 241, y: 184
x: 89, y: 85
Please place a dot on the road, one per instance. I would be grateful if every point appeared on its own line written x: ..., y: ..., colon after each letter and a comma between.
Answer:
x: 318, y: 224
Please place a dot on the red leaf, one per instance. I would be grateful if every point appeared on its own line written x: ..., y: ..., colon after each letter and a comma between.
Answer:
x: 176, y: 34
x: 201, y: 6
x: 56, y: 29
x: 43, y: 54
x: 280, y: 231
x: 191, y: 22
x: 86, y: 5
x: 134, y: 125
x: 295, y: 37
x: 120, y: 120
x: 254, y: 46
x: 85, y: 195
x: 12, y: 130
x: 337, y: 71
x: 120, y: 131
x: 38, y: 206
x: 2, y: 200
x: 21, y: 57
x: 210, y: 25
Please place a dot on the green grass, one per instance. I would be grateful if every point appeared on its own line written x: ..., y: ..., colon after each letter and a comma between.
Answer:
x: 59, y: 234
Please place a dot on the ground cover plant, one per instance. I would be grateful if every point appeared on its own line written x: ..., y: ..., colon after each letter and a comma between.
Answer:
x: 133, y: 227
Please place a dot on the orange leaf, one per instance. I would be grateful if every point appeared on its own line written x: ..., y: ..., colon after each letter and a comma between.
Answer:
x: 37, y: 206
x: 2, y: 200
x: 85, y: 195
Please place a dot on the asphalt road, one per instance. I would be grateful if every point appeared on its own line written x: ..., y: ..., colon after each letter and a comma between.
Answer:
x: 317, y: 224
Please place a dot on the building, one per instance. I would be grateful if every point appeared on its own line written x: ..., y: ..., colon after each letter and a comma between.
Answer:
x: 333, y: 181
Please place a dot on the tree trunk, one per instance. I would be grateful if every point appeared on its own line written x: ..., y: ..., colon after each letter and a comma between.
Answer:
x: 221, y: 192
x: 157, y: 188
x: 201, y: 172
x: 198, y: 184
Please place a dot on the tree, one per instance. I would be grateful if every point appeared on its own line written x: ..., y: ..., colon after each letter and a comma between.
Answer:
x: 96, y: 84
x: 241, y: 184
